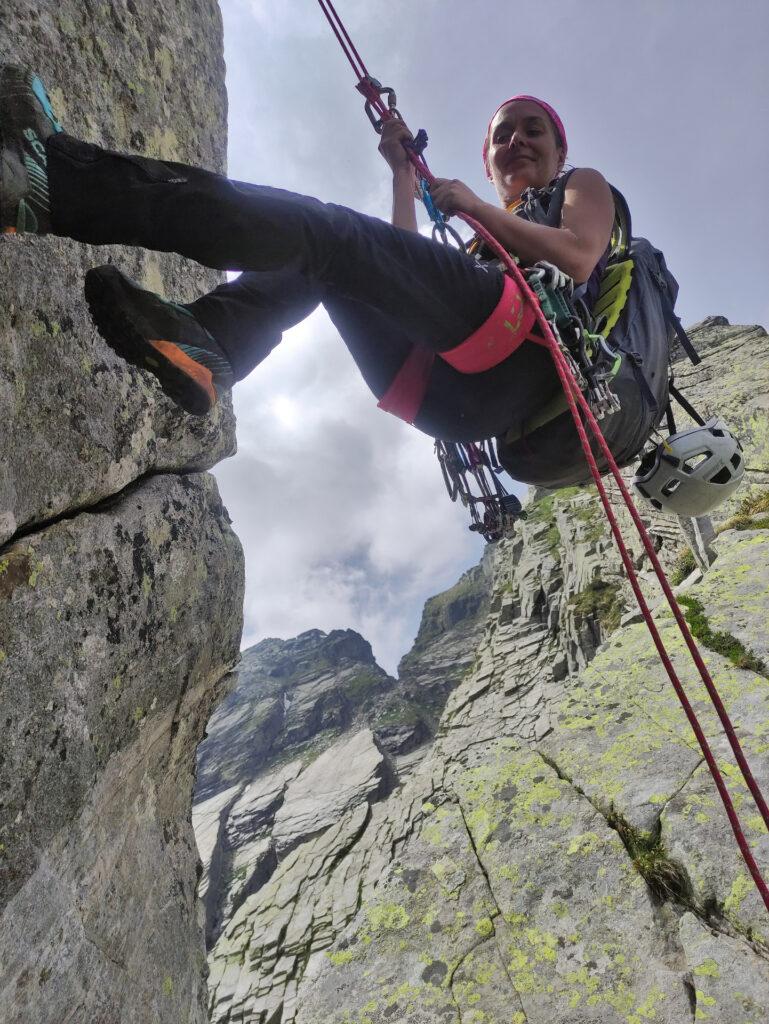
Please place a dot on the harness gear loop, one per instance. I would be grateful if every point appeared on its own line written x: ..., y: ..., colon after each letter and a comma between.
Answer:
x: 579, y: 407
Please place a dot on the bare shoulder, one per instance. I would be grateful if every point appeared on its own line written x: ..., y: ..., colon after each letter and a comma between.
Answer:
x: 589, y: 182
x: 588, y: 204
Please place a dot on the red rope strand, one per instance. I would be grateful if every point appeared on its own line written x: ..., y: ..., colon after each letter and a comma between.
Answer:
x: 348, y: 46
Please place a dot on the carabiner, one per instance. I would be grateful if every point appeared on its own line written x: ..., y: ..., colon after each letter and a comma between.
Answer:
x: 373, y: 90
x: 442, y: 231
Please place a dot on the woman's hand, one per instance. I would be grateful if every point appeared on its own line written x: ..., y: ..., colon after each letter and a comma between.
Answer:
x: 453, y: 196
x: 394, y: 134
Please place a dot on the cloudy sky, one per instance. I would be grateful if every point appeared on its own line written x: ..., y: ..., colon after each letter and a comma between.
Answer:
x: 341, y: 508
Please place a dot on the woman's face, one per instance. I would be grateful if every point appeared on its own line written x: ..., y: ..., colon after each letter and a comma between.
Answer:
x: 524, y: 150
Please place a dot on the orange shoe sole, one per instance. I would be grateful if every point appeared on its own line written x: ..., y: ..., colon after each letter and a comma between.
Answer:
x: 174, y: 355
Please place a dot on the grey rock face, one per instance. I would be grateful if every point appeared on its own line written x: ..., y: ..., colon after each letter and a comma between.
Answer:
x: 131, y: 75
x: 120, y: 579
x: 351, y: 772
x: 560, y: 854
x: 444, y: 648
x: 111, y: 664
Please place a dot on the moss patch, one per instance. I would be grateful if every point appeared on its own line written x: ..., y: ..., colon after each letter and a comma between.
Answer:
x: 722, y: 643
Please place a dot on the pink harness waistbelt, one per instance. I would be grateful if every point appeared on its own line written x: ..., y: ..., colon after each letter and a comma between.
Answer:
x: 508, y: 326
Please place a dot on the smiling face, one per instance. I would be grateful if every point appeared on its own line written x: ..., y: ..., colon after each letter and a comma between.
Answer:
x: 524, y: 149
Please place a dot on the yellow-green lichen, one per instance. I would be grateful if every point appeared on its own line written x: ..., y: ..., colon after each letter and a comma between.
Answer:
x: 387, y: 916
x: 585, y: 844
x: 450, y: 877
x: 708, y: 968
x: 484, y: 927
x: 741, y: 886
x: 647, y: 1010
x: 341, y: 957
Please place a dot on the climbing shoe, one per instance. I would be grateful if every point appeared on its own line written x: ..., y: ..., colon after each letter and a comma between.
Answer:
x: 26, y: 122
x: 158, y: 336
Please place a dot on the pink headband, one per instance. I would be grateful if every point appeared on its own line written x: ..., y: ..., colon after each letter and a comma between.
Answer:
x: 560, y: 130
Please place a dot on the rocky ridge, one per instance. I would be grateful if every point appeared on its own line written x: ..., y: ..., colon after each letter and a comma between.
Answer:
x: 120, y: 578
x: 558, y: 853
x: 297, y: 711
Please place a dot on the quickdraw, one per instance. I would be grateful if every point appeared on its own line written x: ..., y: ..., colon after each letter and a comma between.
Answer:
x: 580, y: 409
x: 493, y: 510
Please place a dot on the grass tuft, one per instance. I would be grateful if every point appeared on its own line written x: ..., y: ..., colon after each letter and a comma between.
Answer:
x: 602, y: 601
x: 684, y: 565
x: 745, y: 516
x: 666, y: 878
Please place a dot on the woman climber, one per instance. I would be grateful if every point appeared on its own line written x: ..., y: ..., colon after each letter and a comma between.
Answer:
x: 391, y: 292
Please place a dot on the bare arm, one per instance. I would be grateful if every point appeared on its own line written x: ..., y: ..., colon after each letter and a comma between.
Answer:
x: 575, y: 247
x: 404, y: 178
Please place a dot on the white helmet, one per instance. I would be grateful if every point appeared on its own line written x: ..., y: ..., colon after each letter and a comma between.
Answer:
x: 693, y: 471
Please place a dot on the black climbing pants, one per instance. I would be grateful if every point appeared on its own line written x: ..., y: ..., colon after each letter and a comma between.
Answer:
x: 385, y: 289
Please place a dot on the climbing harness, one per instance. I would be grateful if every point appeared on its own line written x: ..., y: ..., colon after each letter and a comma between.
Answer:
x: 582, y: 413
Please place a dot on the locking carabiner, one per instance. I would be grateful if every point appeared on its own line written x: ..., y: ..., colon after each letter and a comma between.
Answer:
x: 373, y: 90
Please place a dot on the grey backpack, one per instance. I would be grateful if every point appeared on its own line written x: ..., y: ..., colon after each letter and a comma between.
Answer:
x: 632, y: 300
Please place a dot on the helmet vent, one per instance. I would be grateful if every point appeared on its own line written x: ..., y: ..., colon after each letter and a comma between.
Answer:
x: 693, y: 461
x: 716, y: 432
x: 670, y: 487
x: 723, y: 476
x: 735, y: 460
x: 648, y: 462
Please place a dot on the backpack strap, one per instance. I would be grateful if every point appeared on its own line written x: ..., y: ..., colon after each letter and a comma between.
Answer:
x: 674, y: 321
x: 534, y: 209
x: 622, y: 229
x: 685, y: 405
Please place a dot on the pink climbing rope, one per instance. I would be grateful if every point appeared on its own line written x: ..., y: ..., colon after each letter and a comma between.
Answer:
x: 579, y: 407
